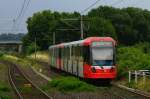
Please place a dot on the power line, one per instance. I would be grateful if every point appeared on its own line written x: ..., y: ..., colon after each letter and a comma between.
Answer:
x: 17, y: 21
x: 22, y: 8
x: 24, y: 11
x: 19, y: 15
x: 26, y: 7
x: 70, y: 25
x: 90, y: 6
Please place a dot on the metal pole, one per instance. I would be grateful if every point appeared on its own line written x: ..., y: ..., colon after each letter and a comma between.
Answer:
x: 53, y: 38
x: 81, y: 22
x: 129, y: 76
x: 35, y: 45
x: 144, y: 77
x: 135, y: 76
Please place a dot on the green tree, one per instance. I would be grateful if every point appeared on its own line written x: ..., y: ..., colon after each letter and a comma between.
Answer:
x: 101, y: 27
x: 42, y: 25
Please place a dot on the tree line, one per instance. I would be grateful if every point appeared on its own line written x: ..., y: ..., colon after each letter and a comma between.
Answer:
x: 11, y: 37
x: 128, y: 26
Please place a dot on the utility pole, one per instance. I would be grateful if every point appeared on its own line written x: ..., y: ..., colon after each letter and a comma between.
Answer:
x: 35, y: 46
x: 81, y: 24
x: 54, y: 38
x: 13, y: 26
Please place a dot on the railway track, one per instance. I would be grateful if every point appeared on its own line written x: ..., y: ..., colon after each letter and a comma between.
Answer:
x: 128, y: 93
x: 24, y: 87
x: 115, y: 92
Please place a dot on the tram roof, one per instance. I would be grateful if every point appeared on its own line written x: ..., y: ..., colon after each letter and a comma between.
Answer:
x: 86, y: 41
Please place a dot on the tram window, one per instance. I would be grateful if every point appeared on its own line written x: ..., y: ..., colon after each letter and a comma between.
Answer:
x: 86, y: 54
x: 53, y: 52
x: 76, y: 52
x: 73, y: 54
x: 114, y: 56
x: 81, y: 52
x: 62, y: 51
x: 65, y: 54
x: 68, y: 52
x: 59, y: 52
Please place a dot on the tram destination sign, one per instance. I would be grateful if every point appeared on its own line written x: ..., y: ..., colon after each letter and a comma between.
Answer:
x: 94, y: 44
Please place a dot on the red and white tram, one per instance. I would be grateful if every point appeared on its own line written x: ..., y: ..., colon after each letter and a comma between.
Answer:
x: 92, y: 58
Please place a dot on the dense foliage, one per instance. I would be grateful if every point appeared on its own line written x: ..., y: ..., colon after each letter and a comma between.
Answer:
x: 128, y: 25
x: 132, y: 25
x: 42, y: 25
x: 133, y: 58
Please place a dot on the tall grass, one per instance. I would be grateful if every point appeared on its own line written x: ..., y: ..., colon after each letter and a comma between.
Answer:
x: 4, y: 90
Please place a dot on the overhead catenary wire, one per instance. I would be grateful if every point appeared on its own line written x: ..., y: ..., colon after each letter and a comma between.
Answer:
x: 17, y: 20
x: 69, y: 25
x: 24, y: 11
x: 22, y: 8
x: 86, y: 9
x: 82, y: 12
x: 26, y: 7
x: 19, y: 15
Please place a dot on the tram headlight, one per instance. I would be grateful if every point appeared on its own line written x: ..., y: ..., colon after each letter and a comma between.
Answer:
x: 112, y: 69
x: 93, y: 69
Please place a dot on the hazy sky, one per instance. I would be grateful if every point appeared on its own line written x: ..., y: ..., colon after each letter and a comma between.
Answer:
x: 9, y: 9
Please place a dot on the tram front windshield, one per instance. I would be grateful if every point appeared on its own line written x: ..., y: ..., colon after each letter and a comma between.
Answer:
x: 102, y: 54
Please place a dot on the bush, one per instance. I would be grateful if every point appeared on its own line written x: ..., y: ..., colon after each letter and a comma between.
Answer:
x: 132, y: 58
x: 4, y: 87
x: 5, y: 97
x: 1, y: 54
x: 31, y: 48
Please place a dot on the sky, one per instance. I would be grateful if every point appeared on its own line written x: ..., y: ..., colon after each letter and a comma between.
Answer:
x: 10, y: 9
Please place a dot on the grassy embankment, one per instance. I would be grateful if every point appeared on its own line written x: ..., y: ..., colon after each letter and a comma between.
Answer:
x: 41, y: 56
x: 5, y: 90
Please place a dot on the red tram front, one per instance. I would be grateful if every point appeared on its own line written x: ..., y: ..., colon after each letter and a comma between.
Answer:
x: 92, y: 58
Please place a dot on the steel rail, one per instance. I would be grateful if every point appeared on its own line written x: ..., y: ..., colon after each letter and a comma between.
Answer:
x: 120, y: 97
x: 13, y: 84
x: 132, y: 91
x: 33, y: 83
x: 24, y: 75
x: 111, y: 94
